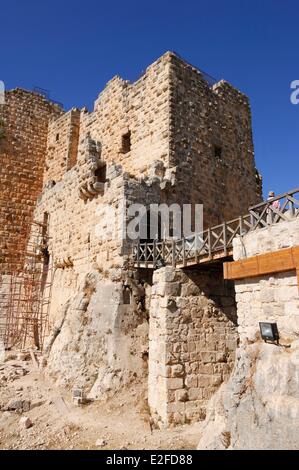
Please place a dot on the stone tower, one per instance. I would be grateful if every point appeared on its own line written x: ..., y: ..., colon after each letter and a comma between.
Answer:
x: 24, y: 120
x: 170, y: 137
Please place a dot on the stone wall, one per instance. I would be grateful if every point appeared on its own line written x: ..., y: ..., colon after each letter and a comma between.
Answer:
x: 156, y: 140
x: 192, y: 339
x: 138, y: 111
x: 211, y: 144
x: 167, y: 125
x: 262, y: 392
x: 24, y: 122
x: 85, y: 236
x: 173, y: 118
x: 82, y: 234
x: 153, y: 141
x: 98, y: 328
x: 272, y: 298
x: 62, y: 145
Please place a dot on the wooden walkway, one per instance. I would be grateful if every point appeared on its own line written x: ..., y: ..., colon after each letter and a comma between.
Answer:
x: 216, y: 242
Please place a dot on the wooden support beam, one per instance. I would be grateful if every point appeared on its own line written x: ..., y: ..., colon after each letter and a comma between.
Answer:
x: 184, y: 251
x: 268, y: 263
x: 173, y: 254
x: 224, y: 239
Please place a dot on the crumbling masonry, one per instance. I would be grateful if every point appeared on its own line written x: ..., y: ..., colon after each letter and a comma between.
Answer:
x: 170, y: 137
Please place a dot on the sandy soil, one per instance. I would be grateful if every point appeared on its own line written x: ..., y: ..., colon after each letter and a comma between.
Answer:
x: 122, y: 422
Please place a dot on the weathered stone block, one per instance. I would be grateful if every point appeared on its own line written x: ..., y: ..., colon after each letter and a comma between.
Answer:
x: 181, y: 395
x: 195, y: 393
x: 208, y: 357
x: 191, y: 381
x: 177, y: 370
x: 172, y: 289
x: 174, y: 383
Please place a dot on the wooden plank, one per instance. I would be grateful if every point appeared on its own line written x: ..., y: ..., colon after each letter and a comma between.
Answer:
x: 138, y: 254
x: 225, y: 270
x: 243, y: 268
x: 209, y: 243
x: 173, y: 254
x: 268, y: 263
x: 241, y: 225
x: 224, y: 239
x: 295, y: 254
x: 184, y: 252
x: 145, y: 255
x: 281, y: 260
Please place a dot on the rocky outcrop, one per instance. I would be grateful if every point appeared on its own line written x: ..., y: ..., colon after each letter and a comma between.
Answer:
x: 258, y: 408
x: 97, y: 342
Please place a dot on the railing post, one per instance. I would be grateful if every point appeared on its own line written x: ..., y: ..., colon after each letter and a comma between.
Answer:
x: 173, y: 254
x: 224, y: 239
x: 241, y: 225
x: 184, y: 253
x: 138, y: 253
x: 196, y: 250
x: 252, y: 223
x: 269, y: 215
x: 163, y: 250
x: 292, y: 209
x: 145, y: 255
x: 154, y: 253
x: 210, y: 242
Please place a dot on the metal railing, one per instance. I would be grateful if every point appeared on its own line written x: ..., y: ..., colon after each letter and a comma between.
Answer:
x: 216, y: 242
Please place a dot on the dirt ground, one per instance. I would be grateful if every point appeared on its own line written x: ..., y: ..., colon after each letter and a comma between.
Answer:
x: 121, y: 422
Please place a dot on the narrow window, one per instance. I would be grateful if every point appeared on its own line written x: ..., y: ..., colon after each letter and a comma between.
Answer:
x: 126, y: 142
x: 57, y: 137
x: 217, y: 151
x: 126, y: 295
x: 100, y: 173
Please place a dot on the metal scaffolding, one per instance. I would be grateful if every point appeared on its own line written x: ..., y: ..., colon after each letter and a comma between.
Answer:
x: 25, y: 291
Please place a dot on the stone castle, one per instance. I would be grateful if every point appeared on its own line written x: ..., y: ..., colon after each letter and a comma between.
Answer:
x: 170, y: 137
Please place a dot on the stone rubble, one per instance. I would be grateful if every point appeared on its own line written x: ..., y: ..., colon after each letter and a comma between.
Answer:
x: 25, y: 422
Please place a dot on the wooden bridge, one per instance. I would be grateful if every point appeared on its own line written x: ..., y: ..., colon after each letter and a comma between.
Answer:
x: 216, y: 242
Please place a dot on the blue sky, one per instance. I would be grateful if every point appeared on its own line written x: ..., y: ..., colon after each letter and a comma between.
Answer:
x: 72, y: 48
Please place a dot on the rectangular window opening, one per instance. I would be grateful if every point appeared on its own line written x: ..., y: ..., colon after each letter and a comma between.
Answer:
x: 126, y: 142
x: 217, y: 151
x: 126, y: 295
x: 100, y: 173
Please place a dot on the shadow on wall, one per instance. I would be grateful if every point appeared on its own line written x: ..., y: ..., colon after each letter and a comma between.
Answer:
x: 208, y: 281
